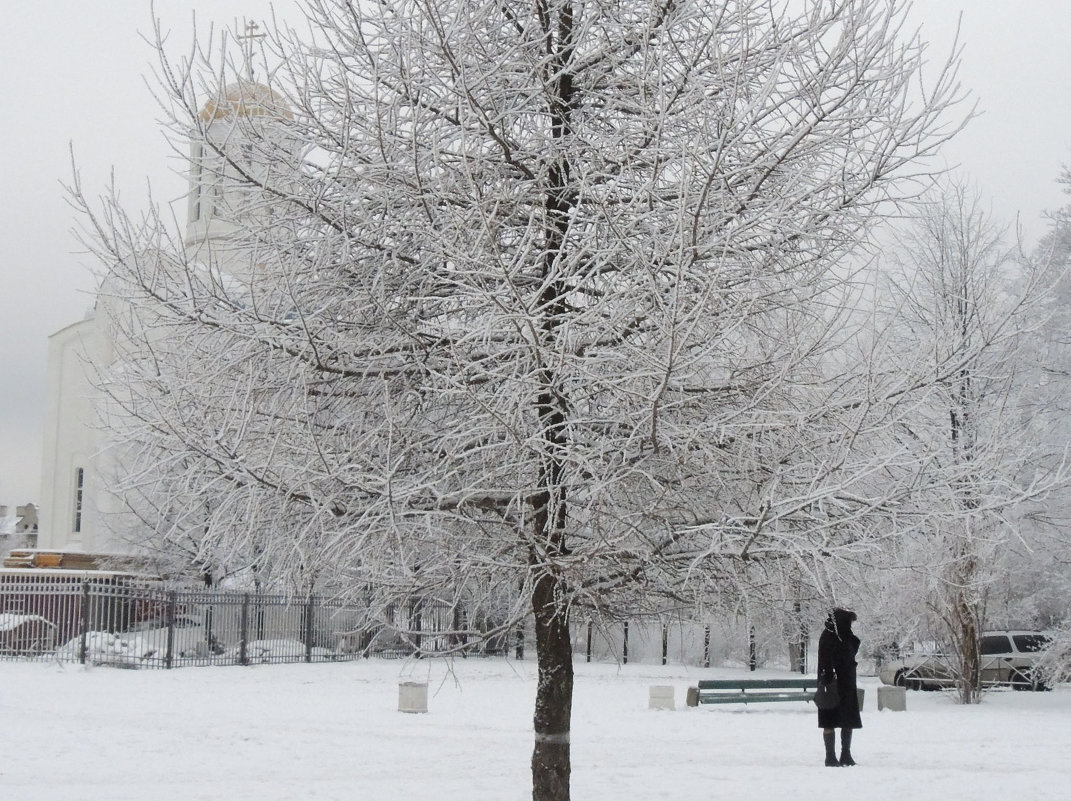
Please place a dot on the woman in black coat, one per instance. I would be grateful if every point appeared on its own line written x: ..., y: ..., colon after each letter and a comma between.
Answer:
x: 837, y: 648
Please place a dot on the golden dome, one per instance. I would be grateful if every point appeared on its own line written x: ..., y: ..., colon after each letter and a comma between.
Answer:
x: 246, y: 99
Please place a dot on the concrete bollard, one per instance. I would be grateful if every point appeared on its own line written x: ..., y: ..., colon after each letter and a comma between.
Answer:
x: 412, y: 696
x: 692, y: 698
x: 892, y: 698
x: 661, y: 697
x: 860, y: 693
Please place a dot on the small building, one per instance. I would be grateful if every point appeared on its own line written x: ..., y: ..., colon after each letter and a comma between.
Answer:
x: 18, y: 530
x: 26, y: 520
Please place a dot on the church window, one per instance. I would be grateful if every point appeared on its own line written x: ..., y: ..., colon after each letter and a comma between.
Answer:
x: 195, y: 177
x: 79, y: 486
x: 217, y: 196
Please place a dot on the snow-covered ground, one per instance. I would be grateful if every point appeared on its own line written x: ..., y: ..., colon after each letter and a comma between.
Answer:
x: 333, y: 731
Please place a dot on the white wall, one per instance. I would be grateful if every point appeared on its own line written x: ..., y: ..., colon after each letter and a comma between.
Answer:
x: 73, y: 439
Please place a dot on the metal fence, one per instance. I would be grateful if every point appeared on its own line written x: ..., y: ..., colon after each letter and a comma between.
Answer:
x: 681, y: 640
x: 116, y: 621
x: 101, y: 618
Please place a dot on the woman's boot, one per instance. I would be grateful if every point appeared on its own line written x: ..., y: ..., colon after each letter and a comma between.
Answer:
x: 846, y: 748
x: 830, y: 738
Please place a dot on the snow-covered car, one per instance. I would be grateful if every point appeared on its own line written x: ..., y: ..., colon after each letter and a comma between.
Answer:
x: 146, y: 641
x: 188, y: 638
x: 26, y: 634
x: 1008, y: 658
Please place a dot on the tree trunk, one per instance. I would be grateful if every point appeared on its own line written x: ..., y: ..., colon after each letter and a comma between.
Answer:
x: 551, y: 761
x: 970, y: 685
x: 964, y: 622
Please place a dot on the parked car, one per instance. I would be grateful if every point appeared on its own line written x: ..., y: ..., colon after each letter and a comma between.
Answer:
x: 188, y: 638
x: 146, y: 641
x: 1008, y: 658
x: 26, y: 634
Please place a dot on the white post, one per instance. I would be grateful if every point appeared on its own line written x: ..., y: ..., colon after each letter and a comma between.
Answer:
x: 661, y: 697
x: 412, y: 696
x: 892, y: 698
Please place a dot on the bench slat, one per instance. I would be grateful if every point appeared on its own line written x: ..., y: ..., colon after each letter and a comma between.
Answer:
x: 754, y: 691
x: 758, y: 684
x: 752, y: 698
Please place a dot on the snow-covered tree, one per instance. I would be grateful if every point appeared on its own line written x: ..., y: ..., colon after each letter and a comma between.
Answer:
x: 968, y: 301
x: 547, y: 305
x: 1039, y: 590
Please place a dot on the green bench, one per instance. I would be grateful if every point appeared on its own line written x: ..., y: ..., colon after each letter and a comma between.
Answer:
x: 752, y: 691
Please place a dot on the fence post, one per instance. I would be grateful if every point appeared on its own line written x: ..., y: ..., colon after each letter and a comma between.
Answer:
x: 258, y: 616
x: 797, y: 640
x: 243, y: 634
x: 210, y: 634
x: 308, y: 629
x: 416, y: 625
x: 624, y: 646
x: 85, y: 622
x: 169, y: 654
x: 804, y: 637
x: 457, y: 622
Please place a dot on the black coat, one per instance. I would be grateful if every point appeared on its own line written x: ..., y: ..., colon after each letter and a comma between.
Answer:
x: 837, y: 648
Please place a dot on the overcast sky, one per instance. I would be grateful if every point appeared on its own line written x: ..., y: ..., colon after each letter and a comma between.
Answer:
x: 75, y: 74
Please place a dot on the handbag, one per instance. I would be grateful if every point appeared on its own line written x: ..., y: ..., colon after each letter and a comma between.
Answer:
x: 827, y: 696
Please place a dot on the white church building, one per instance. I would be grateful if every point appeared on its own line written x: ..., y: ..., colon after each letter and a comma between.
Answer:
x: 78, y: 457
x: 73, y: 501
